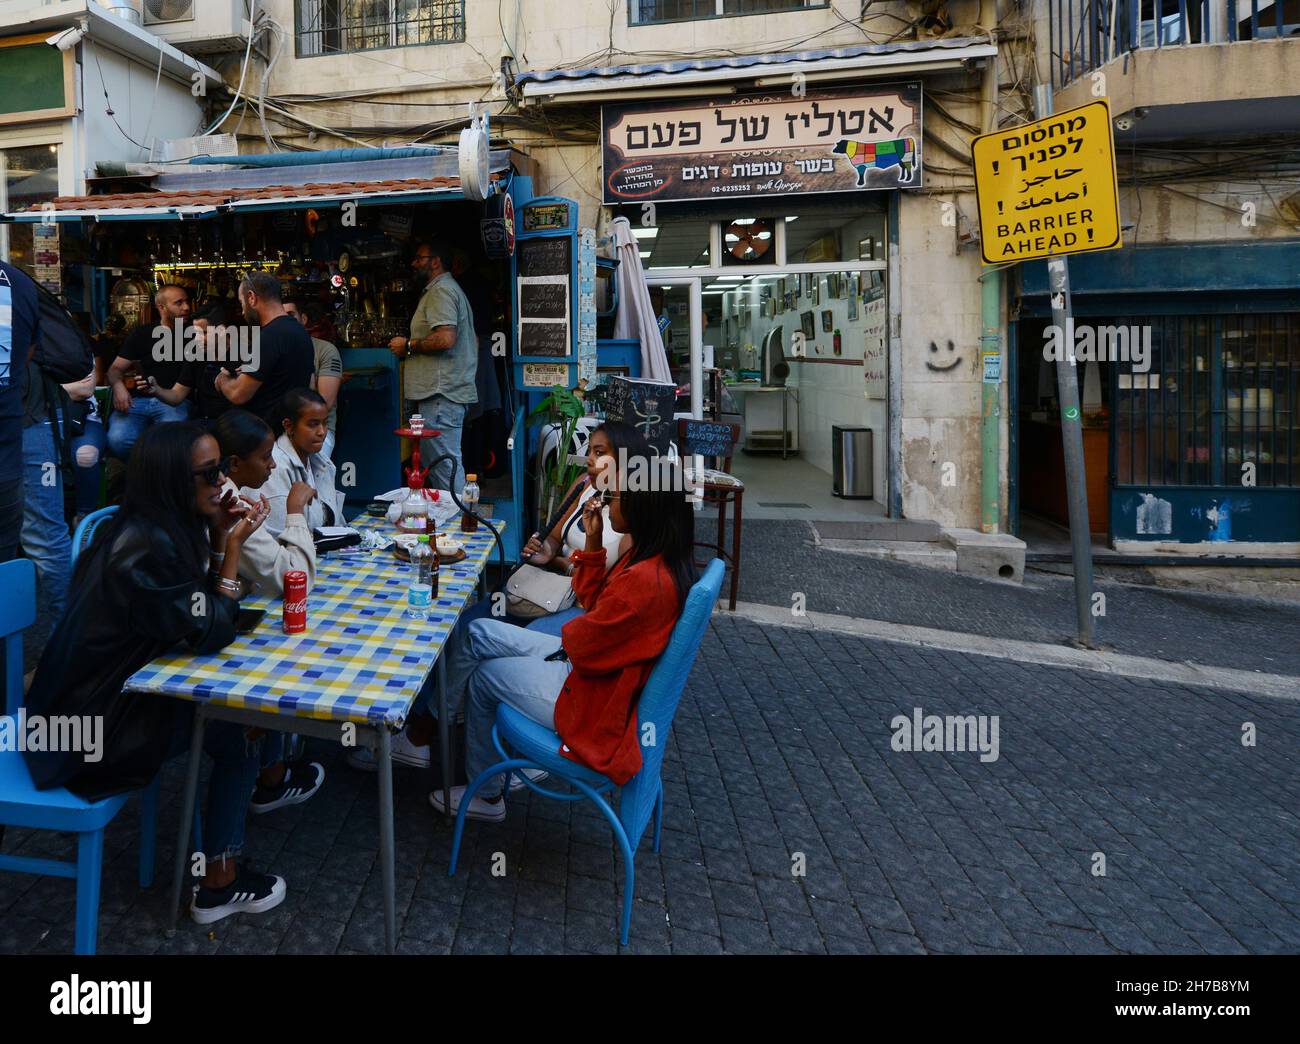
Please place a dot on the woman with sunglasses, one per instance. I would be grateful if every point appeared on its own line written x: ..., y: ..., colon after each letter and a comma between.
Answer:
x: 161, y: 574
x: 585, y: 683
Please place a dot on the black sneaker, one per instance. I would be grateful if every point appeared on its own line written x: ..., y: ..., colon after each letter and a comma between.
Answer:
x: 249, y: 892
x: 301, y: 780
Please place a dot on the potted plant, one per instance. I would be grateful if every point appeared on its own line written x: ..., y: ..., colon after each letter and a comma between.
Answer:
x: 562, y: 408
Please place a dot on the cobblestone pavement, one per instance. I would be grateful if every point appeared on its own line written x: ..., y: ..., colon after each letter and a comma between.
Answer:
x: 779, y: 558
x: 781, y: 748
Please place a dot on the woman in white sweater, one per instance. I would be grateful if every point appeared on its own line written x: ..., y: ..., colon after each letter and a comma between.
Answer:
x: 247, y: 446
x: 299, y: 461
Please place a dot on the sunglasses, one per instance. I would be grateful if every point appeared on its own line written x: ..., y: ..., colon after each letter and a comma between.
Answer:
x: 213, y: 475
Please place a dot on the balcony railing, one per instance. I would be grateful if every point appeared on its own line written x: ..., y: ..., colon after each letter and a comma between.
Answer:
x: 1085, y: 34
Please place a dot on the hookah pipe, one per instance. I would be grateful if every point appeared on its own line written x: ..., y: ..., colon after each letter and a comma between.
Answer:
x: 551, y: 522
x: 501, y: 551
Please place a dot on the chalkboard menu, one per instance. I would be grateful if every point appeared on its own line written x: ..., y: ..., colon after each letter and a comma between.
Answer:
x: 544, y: 300
x: 544, y: 273
x: 707, y: 438
x: 549, y: 256
x: 548, y: 339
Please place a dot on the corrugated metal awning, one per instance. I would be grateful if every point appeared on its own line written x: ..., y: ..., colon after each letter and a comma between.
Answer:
x: 191, y: 196
x: 869, y: 59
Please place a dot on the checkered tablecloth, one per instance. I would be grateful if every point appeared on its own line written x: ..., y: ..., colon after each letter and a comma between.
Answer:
x: 360, y: 660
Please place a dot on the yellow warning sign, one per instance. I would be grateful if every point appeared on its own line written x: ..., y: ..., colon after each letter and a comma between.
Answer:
x: 1048, y: 187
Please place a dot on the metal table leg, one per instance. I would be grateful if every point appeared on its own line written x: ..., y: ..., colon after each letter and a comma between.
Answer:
x: 444, y: 733
x: 386, y: 849
x: 187, y: 813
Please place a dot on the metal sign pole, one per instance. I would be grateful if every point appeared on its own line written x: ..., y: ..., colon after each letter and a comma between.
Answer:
x: 1067, y: 381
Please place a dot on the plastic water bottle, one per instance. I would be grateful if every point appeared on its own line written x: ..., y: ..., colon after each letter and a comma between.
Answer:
x: 469, y: 497
x: 419, y: 589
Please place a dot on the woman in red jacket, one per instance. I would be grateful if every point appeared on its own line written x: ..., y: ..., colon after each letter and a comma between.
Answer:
x: 585, y: 684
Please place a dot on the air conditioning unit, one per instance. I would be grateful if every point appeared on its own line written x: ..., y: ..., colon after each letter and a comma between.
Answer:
x: 200, y: 27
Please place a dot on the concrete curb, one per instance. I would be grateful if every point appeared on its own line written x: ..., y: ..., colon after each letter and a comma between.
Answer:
x: 1279, y: 686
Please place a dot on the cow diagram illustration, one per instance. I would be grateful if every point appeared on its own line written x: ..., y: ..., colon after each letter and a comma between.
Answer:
x: 879, y: 155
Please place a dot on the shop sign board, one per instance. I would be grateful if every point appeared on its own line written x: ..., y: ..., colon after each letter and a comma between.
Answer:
x: 1049, y: 187
x: 46, y: 259
x: 546, y: 375
x: 778, y: 143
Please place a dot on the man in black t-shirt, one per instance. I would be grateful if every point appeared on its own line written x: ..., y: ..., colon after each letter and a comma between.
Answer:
x: 283, y: 356
x: 135, y: 407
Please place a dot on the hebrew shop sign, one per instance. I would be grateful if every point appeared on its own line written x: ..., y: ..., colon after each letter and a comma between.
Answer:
x: 763, y: 145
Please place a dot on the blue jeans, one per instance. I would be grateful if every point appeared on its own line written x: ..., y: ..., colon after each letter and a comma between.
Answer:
x: 125, y: 428
x: 88, y: 463
x: 45, y: 537
x: 236, y: 762
x: 510, y: 666
x: 448, y: 417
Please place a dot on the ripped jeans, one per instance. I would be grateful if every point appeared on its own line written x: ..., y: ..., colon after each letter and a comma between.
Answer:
x: 88, y: 463
x: 236, y: 763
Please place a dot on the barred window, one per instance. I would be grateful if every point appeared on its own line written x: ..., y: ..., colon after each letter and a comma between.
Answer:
x: 1219, y: 402
x: 646, y: 12
x: 338, y: 26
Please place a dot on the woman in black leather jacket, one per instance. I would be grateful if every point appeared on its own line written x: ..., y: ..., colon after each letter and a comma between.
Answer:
x: 141, y: 588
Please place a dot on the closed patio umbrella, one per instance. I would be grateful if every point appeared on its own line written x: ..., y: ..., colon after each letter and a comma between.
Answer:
x: 636, y: 316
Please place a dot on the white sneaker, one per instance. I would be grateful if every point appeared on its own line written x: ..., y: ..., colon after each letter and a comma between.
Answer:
x: 404, y: 753
x: 487, y: 811
x: 535, y: 775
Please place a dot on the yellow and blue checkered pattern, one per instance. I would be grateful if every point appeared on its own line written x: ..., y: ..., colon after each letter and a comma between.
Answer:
x: 360, y: 660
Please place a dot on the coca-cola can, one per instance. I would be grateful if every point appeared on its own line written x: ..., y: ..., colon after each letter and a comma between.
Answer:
x: 295, y: 602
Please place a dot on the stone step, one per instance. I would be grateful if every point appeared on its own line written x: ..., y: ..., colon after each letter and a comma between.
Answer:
x: 907, y: 529
x: 996, y: 556
x: 931, y: 554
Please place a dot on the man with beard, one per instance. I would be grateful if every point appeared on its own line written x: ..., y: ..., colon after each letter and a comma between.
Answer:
x: 282, y: 354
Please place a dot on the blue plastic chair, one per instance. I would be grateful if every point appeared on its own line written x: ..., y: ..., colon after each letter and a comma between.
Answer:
x: 536, y: 746
x: 81, y: 538
x: 85, y: 530
x: 21, y: 804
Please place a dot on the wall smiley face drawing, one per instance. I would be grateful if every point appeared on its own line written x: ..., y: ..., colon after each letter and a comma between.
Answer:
x: 943, y: 361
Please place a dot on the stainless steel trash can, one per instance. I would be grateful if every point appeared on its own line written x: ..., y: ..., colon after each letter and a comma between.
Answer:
x: 851, y: 457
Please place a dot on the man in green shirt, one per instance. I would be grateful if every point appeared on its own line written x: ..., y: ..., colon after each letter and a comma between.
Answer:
x: 441, y: 360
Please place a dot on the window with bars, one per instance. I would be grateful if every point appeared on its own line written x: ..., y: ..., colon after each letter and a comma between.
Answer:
x: 339, y: 26
x: 1219, y: 406
x: 647, y: 12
